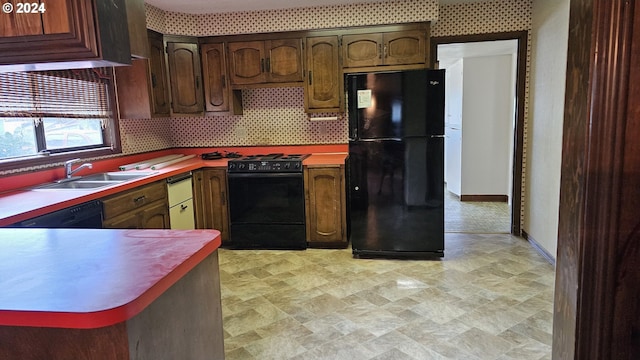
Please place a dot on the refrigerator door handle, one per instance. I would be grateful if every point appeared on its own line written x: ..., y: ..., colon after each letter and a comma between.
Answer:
x: 437, y: 136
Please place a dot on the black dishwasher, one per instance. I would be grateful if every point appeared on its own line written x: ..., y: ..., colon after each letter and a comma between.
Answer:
x: 84, y: 216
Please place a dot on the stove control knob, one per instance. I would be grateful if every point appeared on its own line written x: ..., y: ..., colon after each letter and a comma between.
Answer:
x: 297, y: 165
x: 287, y: 165
x: 232, y: 166
x: 242, y: 166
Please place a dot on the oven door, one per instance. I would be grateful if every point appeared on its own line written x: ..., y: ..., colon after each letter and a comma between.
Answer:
x: 267, y: 210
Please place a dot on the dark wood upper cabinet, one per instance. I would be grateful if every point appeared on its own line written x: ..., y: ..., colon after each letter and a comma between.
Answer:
x: 323, y: 83
x: 218, y: 95
x: 214, y: 73
x: 67, y: 34
x: 268, y: 61
x: 284, y: 61
x: 392, y: 48
x: 185, y: 78
x: 142, y: 88
x: 161, y: 105
x: 247, y: 62
x: 137, y: 24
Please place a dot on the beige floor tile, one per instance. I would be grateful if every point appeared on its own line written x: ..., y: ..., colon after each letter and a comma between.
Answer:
x: 491, y: 297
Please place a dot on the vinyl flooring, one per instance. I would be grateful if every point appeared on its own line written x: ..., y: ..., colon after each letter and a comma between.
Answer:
x: 490, y: 297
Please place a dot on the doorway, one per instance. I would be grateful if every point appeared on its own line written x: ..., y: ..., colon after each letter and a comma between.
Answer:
x: 479, y: 50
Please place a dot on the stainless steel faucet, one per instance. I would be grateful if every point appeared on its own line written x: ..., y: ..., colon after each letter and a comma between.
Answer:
x: 68, y: 164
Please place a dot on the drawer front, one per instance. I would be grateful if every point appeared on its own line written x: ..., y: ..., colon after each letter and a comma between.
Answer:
x: 181, y: 216
x: 134, y: 199
x: 179, y: 191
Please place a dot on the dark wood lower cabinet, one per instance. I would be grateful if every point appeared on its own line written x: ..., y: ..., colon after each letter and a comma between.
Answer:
x: 144, y: 207
x: 210, y: 201
x: 325, y: 203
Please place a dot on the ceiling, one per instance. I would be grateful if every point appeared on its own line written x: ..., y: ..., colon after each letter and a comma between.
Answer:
x: 221, y: 6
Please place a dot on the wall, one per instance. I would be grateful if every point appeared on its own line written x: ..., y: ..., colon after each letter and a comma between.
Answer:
x: 548, y: 75
x: 271, y: 116
x: 487, y: 120
x: 453, y: 127
x: 288, y: 117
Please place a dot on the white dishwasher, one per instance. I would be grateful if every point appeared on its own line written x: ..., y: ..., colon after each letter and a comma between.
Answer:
x: 179, y: 190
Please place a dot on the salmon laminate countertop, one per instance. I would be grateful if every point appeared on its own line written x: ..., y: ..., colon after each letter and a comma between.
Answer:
x: 90, y: 278
x: 25, y: 203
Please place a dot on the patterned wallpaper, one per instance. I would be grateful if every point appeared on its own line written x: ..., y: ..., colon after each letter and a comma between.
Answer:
x: 276, y: 116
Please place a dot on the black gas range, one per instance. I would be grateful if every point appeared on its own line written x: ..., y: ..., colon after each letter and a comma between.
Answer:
x: 266, y: 202
x: 270, y: 163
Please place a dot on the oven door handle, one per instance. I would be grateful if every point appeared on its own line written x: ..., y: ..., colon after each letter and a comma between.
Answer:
x: 264, y: 175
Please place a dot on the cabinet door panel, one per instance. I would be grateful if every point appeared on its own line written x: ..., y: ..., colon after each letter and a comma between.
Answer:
x: 325, y: 205
x: 404, y: 47
x: 14, y: 24
x: 323, y: 78
x: 155, y: 216
x: 57, y: 19
x: 214, y: 69
x: 159, y: 85
x: 362, y: 50
x: 124, y: 221
x: 284, y: 61
x: 184, y: 70
x: 210, y: 201
x: 247, y: 62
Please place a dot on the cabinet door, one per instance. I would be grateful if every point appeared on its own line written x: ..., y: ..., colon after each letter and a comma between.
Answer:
x: 210, y: 195
x: 284, y: 60
x: 362, y: 50
x: 184, y: 74
x: 129, y: 220
x: 325, y: 206
x: 181, y: 216
x: 323, y: 83
x: 404, y: 48
x: 247, y: 62
x: 155, y: 216
x: 160, y: 105
x: 65, y: 34
x: 214, y: 74
x: 133, y: 89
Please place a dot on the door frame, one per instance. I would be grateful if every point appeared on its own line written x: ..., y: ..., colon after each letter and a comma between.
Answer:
x: 518, y: 152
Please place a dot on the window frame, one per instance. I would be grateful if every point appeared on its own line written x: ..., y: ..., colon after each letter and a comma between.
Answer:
x: 111, y: 136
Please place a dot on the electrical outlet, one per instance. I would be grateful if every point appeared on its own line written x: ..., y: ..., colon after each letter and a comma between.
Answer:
x: 322, y: 129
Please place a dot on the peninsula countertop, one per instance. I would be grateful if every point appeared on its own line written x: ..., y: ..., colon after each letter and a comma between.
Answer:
x: 90, y: 278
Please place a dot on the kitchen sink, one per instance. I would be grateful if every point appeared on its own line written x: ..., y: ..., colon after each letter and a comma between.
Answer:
x: 93, y: 181
x: 115, y: 176
x: 77, y: 184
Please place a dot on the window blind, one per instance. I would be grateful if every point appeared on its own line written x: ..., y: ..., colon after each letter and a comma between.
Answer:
x: 79, y: 93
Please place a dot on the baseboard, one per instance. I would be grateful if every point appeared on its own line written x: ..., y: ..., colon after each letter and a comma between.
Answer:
x: 551, y: 259
x: 486, y: 198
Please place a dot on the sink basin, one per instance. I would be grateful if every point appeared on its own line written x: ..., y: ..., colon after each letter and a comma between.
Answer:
x: 93, y: 181
x: 77, y: 184
x: 115, y: 176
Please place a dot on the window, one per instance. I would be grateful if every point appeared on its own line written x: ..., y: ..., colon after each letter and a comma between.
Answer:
x: 52, y: 116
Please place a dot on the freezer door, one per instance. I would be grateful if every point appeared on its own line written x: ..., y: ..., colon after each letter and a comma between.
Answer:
x: 396, y: 200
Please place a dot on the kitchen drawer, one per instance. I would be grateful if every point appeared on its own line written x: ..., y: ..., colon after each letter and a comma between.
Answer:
x: 133, y: 199
x: 179, y: 191
x: 181, y: 216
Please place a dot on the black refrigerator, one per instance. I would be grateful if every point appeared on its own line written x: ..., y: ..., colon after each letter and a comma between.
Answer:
x: 396, y: 163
